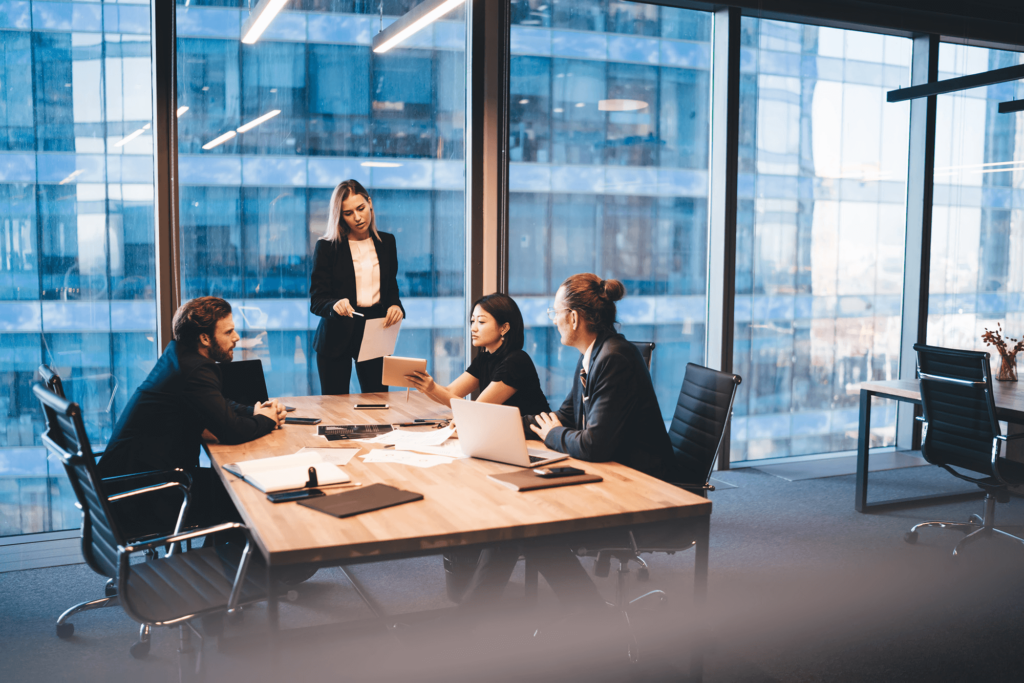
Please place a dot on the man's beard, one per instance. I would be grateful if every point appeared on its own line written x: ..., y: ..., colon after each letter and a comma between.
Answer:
x: 221, y: 354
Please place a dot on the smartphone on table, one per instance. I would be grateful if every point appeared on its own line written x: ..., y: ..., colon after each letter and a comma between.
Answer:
x: 372, y: 406
x: 301, y: 420
x: 555, y: 472
x: 288, y: 496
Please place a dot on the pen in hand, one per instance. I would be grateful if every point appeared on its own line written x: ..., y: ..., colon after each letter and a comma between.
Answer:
x: 358, y: 313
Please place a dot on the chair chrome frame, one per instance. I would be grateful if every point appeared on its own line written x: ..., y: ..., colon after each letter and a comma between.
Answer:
x: 994, y: 485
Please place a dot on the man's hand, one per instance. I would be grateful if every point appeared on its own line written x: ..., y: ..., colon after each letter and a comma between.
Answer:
x: 545, y: 423
x: 394, y: 315
x: 273, y: 409
x: 343, y: 307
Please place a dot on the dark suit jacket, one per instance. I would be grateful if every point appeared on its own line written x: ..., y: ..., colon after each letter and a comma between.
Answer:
x: 623, y: 418
x: 161, y: 426
x: 334, y: 278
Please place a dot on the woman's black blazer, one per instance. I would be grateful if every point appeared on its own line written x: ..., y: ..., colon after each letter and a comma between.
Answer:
x: 334, y: 278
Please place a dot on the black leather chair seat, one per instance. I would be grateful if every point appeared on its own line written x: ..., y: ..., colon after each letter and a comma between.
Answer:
x: 191, y: 583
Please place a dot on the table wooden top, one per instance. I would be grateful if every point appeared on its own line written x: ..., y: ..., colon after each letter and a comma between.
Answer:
x: 1009, y: 396
x: 460, y: 505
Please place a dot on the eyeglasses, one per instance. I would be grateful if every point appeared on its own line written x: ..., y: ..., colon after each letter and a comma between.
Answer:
x: 554, y: 312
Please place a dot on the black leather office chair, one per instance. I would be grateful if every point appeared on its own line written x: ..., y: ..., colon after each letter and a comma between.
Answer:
x: 166, y: 591
x: 646, y: 350
x: 51, y: 380
x: 697, y: 433
x: 963, y: 432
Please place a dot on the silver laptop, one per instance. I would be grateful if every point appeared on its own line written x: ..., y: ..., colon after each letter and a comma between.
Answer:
x: 494, y: 432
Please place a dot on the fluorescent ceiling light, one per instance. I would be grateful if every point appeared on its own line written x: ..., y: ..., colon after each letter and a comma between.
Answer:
x: 74, y: 174
x: 128, y: 138
x: 1011, y: 106
x: 380, y: 164
x: 220, y: 140
x: 260, y: 18
x: 182, y: 110
x: 621, y: 105
x: 412, y: 22
x: 255, y: 122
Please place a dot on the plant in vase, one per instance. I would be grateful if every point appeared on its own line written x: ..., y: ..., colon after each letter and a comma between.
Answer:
x: 1008, y: 355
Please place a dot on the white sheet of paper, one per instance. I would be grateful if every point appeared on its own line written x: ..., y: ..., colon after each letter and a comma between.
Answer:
x: 378, y: 340
x: 449, y: 449
x: 335, y: 456
x: 410, y: 441
x: 301, y: 458
x: 405, y: 458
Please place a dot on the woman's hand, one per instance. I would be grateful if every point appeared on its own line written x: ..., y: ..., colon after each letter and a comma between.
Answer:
x: 343, y: 307
x: 422, y: 381
x: 545, y: 423
x: 394, y: 315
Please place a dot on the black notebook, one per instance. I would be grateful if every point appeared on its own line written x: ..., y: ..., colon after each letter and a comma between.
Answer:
x: 342, y: 432
x: 372, y: 497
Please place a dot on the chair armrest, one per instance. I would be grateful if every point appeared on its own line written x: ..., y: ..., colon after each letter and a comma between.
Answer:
x: 177, y: 538
x: 153, y: 476
x: 1010, y: 437
x: 182, y: 513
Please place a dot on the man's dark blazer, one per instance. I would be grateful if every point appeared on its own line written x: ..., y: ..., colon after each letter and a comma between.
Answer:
x: 334, y: 278
x: 623, y: 418
x: 161, y: 426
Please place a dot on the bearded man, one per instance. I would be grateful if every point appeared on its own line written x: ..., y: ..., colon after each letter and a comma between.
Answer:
x: 163, y: 423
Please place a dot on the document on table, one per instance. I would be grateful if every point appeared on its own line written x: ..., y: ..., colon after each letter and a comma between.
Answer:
x: 449, y: 449
x: 411, y: 441
x: 378, y: 340
x: 405, y: 458
x: 287, y: 472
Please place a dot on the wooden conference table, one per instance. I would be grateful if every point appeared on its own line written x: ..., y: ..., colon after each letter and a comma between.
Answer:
x: 1009, y: 399
x: 461, y: 507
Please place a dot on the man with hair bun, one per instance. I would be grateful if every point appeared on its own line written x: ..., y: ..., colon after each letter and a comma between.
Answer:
x: 612, y: 412
x: 162, y: 425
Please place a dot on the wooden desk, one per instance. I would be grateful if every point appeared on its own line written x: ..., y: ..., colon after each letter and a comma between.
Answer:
x: 1009, y: 399
x: 460, y: 506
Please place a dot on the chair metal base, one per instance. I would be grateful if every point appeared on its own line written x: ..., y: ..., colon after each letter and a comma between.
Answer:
x: 976, y: 527
x: 65, y: 629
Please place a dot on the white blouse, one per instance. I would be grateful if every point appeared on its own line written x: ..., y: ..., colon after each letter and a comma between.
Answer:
x: 364, y: 260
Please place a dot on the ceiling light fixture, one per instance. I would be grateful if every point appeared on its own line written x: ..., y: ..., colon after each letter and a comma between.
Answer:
x: 380, y: 164
x: 260, y: 18
x: 1011, y: 106
x: 412, y: 22
x: 255, y: 122
x: 128, y: 138
x: 182, y: 110
x: 220, y: 140
x: 621, y: 105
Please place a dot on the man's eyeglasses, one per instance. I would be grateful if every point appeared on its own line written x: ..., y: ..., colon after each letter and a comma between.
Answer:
x: 553, y: 313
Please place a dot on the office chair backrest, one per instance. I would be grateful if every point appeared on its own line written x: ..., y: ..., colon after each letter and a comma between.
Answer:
x: 646, y: 350
x: 698, y: 426
x: 243, y: 381
x: 956, y: 395
x: 51, y: 380
x: 65, y: 437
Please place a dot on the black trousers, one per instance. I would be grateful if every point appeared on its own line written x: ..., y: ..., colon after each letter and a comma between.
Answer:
x: 557, y: 564
x: 336, y: 373
x: 156, y: 513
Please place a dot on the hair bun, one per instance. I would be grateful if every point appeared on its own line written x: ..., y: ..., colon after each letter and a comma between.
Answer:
x: 613, y: 289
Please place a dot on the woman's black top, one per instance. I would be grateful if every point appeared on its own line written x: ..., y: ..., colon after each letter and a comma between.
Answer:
x: 515, y: 369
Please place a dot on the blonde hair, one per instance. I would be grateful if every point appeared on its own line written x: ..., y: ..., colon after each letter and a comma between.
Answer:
x: 337, y: 228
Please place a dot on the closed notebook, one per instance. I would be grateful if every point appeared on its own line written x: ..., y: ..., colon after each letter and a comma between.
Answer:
x: 526, y: 480
x: 373, y: 497
x: 295, y: 477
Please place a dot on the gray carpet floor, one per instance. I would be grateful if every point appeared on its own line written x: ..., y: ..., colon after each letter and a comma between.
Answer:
x: 801, y: 588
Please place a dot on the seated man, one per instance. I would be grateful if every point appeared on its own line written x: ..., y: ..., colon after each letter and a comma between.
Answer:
x: 163, y: 422
x: 611, y: 414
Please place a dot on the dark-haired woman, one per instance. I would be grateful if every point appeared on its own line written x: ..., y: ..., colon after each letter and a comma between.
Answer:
x: 355, y: 279
x: 502, y: 371
x: 612, y: 411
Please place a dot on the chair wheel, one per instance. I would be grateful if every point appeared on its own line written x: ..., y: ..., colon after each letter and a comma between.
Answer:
x: 65, y: 630
x: 139, y: 650
x: 110, y: 590
x: 910, y: 537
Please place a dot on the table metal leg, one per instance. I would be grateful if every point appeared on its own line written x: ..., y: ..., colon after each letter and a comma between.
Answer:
x: 700, y: 593
x: 272, y: 600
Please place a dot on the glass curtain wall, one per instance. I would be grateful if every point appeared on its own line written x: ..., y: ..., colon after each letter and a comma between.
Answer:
x: 820, y: 243
x: 609, y: 137
x: 977, y: 258
x: 325, y: 109
x: 76, y: 232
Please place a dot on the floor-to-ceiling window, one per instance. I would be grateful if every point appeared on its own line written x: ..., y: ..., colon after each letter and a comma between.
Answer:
x: 76, y: 232
x: 977, y: 258
x: 266, y: 131
x: 609, y: 106
x: 820, y: 243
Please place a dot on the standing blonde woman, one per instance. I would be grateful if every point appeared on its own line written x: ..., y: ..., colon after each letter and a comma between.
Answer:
x: 355, y: 279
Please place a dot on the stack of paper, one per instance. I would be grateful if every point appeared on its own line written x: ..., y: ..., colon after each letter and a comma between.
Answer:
x: 288, y: 472
x: 411, y: 441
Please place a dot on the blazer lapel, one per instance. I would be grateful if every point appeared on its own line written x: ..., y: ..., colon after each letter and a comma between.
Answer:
x: 346, y: 272
x: 385, y: 276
